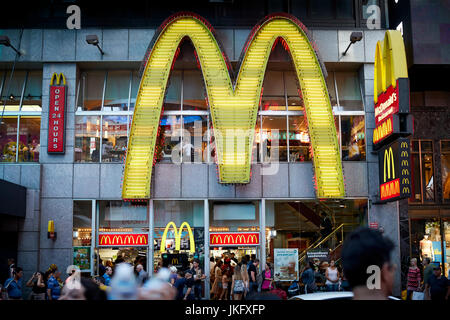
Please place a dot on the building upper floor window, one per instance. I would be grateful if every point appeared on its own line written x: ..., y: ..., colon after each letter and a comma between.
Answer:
x: 445, y: 167
x: 21, y: 106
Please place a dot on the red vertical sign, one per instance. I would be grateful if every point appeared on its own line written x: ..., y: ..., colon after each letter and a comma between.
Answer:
x: 56, y: 119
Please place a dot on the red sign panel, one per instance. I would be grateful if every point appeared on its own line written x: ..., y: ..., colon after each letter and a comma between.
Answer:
x: 390, y: 190
x: 384, y: 130
x: 387, y: 104
x: 123, y: 239
x: 56, y: 119
x: 233, y: 238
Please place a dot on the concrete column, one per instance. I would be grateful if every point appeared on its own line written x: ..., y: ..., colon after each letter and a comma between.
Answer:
x: 151, y: 227
x: 262, y: 234
x: 206, y: 246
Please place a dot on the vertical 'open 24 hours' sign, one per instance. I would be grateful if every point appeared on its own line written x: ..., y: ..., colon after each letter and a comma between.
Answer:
x: 56, y: 115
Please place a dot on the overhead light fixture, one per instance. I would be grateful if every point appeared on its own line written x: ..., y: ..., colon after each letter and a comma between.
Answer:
x: 11, y: 97
x: 4, y: 41
x: 354, y: 37
x: 93, y: 40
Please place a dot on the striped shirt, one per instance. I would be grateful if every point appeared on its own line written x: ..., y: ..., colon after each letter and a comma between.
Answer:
x: 413, y: 278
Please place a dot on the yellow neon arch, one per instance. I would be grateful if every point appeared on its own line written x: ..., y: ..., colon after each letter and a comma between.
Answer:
x: 390, y: 62
x: 178, y: 236
x: 233, y: 108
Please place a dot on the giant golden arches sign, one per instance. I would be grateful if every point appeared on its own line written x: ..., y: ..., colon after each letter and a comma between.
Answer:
x: 233, y: 107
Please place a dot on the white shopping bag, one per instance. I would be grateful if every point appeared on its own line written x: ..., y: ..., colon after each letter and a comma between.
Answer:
x: 418, y: 295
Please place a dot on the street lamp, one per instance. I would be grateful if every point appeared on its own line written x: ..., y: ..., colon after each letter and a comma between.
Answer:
x: 4, y: 41
x: 354, y: 37
x: 93, y: 39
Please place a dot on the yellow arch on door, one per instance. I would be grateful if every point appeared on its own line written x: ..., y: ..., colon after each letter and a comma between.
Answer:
x: 233, y: 108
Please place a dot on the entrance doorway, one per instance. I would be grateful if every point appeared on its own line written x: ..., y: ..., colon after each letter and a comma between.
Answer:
x: 132, y: 255
x: 226, y: 252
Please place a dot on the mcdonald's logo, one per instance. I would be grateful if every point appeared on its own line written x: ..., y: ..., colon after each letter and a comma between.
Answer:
x: 405, y: 190
x: 382, y: 131
x: 174, y: 261
x: 389, y: 156
x: 234, y: 106
x: 405, y: 172
x: 233, y: 238
x: 404, y: 154
x: 58, y: 78
x: 405, y: 181
x: 404, y: 144
x: 123, y: 239
x: 178, y: 236
x: 405, y: 163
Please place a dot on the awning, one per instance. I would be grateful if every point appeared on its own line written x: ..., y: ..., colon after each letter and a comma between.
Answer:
x: 13, y: 199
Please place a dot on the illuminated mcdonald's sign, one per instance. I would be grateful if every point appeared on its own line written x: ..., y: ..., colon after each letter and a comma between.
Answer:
x: 395, y: 179
x: 177, y: 234
x: 391, y: 90
x: 234, y: 106
x: 233, y: 238
x: 56, y: 114
x: 123, y: 239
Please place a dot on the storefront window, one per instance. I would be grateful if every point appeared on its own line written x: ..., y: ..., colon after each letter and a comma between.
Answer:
x: 195, y: 139
x: 92, y: 83
x: 353, y: 138
x: 87, y: 138
x: 180, y: 225
x: 446, y: 224
x: 12, y: 90
x: 114, y: 142
x: 445, y: 167
x: 135, y: 82
x: 422, y: 171
x: 299, y: 142
x: 294, y: 99
x: 82, y: 234
x: 331, y: 89
x: 168, y: 148
x: 117, y: 91
x: 274, y: 138
x: 349, y: 91
x: 194, y: 91
x: 29, y: 139
x: 8, y: 139
x: 426, y: 239
x: 273, y: 92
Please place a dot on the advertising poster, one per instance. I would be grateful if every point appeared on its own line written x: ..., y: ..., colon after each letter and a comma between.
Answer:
x: 285, y: 264
x: 82, y: 257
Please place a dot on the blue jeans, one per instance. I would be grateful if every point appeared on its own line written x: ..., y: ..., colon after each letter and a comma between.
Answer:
x: 198, y: 290
x: 332, y: 287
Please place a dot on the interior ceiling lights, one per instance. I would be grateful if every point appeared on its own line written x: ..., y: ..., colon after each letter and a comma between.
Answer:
x: 233, y: 107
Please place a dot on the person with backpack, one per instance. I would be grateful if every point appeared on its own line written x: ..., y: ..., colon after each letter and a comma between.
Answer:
x: 13, y: 285
x: 308, y: 278
x: 267, y: 278
x: 237, y: 283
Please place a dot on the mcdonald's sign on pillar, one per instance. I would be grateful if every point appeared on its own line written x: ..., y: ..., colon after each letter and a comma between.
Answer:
x: 56, y: 114
x: 391, y: 91
x: 395, y: 171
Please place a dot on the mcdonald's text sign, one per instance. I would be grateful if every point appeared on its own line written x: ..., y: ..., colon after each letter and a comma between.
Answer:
x: 395, y: 171
x: 56, y: 115
x: 123, y: 239
x: 233, y: 238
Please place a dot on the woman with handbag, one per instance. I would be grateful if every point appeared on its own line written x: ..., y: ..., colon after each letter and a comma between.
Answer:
x: 38, y: 286
x: 413, y: 279
x: 267, y: 278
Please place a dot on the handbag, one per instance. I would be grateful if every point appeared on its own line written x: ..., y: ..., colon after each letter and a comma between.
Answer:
x: 417, y: 295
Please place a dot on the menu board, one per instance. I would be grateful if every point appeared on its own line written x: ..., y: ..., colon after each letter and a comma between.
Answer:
x: 82, y: 258
x: 286, y: 264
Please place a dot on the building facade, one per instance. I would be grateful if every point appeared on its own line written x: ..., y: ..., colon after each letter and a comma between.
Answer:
x: 189, y: 210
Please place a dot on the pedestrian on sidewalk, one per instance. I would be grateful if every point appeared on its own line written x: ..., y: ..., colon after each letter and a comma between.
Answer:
x: 38, y: 286
x: 13, y: 285
x: 414, y: 279
x: 438, y: 286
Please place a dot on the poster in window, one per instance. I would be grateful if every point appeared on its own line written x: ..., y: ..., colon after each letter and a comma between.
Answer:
x: 286, y: 264
x: 82, y: 257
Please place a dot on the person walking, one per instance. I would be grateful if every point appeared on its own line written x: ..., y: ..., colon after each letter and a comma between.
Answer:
x: 267, y: 278
x: 413, y: 282
x: 13, y: 285
x: 142, y: 275
x: 225, y: 278
x: 189, y: 284
x: 216, y: 288
x: 308, y: 278
x: 252, y: 275
x: 332, y: 276
x: 198, y: 277
x: 438, y: 286
x: 245, y: 278
x: 427, y: 270
x: 179, y: 285
x: 37, y: 284
x: 237, y: 283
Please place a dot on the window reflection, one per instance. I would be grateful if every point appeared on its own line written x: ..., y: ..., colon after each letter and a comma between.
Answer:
x: 193, y: 91
x: 274, y: 139
x: 87, y: 138
x: 8, y: 139
x: 445, y: 167
x: 169, y: 139
x: 353, y: 138
x: 114, y: 141
x: 349, y: 91
x: 195, y: 139
x: 29, y: 139
x: 92, y: 90
x: 117, y: 91
x: 299, y: 142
